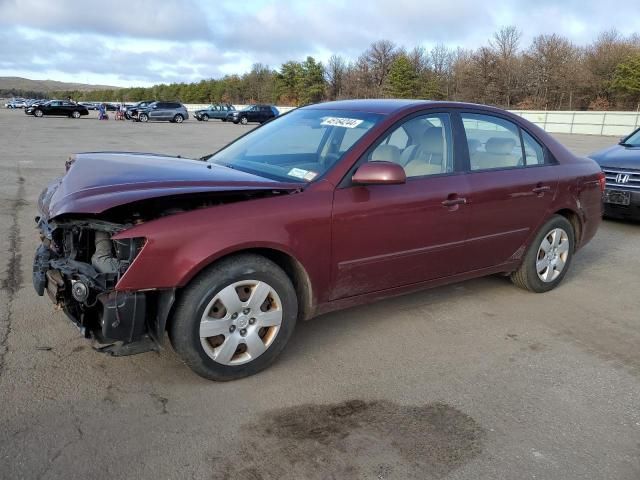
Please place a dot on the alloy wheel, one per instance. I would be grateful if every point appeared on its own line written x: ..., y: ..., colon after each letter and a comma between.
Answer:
x: 553, y: 254
x: 241, y: 322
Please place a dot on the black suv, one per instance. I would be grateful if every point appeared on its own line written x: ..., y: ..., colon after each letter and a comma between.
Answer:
x: 253, y: 113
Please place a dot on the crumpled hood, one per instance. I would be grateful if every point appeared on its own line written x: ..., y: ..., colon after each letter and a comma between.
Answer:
x: 618, y: 156
x: 98, y: 181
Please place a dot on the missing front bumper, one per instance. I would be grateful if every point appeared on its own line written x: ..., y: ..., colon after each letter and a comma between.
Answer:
x: 123, y: 323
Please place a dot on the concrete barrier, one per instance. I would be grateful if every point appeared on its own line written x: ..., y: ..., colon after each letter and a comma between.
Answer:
x: 589, y: 123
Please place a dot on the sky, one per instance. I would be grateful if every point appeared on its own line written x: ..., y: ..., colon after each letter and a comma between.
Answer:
x: 145, y: 42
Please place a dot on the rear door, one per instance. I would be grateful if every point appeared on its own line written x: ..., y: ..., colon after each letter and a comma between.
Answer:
x: 512, y: 185
x: 387, y: 236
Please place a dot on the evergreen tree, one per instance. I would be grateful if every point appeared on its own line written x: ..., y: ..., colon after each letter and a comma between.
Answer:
x: 402, y: 80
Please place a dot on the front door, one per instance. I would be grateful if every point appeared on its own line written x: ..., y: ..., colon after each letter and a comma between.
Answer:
x: 512, y: 187
x: 387, y: 236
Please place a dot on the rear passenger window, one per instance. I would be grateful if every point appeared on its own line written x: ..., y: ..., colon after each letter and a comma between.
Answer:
x: 493, y: 142
x: 533, y: 151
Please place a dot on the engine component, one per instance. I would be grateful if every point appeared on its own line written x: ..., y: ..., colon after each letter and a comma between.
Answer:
x: 123, y: 316
x: 79, y: 290
x: 103, y: 260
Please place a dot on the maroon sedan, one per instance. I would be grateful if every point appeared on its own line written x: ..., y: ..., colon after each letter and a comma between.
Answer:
x: 326, y: 207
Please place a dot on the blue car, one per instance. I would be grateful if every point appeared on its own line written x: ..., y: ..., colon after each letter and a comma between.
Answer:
x: 621, y: 165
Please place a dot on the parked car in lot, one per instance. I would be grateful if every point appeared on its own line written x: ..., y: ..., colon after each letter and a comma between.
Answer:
x: 16, y: 103
x: 132, y: 111
x: 218, y: 111
x: 163, y: 112
x: 90, y: 105
x: 253, y: 113
x: 57, y: 108
x: 621, y: 165
x: 329, y: 206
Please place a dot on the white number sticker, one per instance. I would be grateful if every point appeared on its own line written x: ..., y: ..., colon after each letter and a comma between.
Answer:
x: 341, y: 122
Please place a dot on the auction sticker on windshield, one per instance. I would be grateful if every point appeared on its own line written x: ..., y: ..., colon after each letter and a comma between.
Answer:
x: 307, y: 175
x: 341, y: 122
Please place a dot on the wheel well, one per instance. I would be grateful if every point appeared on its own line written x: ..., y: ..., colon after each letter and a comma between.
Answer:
x: 294, y: 270
x: 298, y: 275
x: 575, y: 222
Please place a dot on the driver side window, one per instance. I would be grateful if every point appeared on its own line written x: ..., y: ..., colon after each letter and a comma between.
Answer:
x: 421, y: 145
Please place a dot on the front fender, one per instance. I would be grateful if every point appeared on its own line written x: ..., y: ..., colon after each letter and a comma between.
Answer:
x: 179, y: 246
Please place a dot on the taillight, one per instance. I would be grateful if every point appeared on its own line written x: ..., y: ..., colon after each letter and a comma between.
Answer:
x: 602, y: 180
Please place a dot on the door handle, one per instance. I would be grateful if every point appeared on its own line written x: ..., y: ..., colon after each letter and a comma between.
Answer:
x: 541, y: 189
x: 452, y: 202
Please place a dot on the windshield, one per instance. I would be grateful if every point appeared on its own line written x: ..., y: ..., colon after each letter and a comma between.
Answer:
x: 299, y: 146
x: 633, y: 140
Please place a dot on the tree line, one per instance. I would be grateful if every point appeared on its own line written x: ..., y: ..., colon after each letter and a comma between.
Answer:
x: 550, y: 73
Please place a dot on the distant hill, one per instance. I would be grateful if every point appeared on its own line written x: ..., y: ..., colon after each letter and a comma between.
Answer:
x: 44, y: 86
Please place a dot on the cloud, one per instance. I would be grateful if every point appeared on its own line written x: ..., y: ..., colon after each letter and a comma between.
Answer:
x: 160, y: 19
x: 150, y: 41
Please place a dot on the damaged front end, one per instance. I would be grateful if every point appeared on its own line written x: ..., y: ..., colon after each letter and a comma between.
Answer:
x: 82, y: 259
x: 78, y: 265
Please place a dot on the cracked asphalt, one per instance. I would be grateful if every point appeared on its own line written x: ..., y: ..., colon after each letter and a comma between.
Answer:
x: 478, y: 380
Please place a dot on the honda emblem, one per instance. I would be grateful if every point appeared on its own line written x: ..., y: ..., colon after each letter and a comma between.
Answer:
x: 622, y: 178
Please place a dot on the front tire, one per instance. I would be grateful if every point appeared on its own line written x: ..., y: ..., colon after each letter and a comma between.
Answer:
x: 38, y: 113
x: 548, y: 258
x: 205, y: 118
x: 143, y: 117
x: 75, y: 114
x: 244, y: 120
x: 234, y: 319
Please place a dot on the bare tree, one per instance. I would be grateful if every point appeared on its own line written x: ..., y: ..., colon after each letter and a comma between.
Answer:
x: 549, y: 63
x: 335, y: 74
x: 419, y: 59
x: 378, y: 58
x: 505, y: 44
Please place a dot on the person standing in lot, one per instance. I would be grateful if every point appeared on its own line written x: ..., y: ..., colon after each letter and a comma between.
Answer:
x: 102, y: 112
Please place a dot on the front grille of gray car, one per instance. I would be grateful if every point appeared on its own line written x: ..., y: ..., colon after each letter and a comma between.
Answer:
x: 622, y: 178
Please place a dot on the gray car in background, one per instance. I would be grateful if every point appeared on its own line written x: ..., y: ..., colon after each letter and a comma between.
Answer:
x: 163, y: 112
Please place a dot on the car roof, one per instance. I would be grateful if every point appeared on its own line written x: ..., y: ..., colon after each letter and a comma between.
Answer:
x: 387, y: 105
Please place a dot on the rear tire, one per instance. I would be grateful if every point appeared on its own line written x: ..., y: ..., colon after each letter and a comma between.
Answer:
x: 223, y: 328
x: 548, y: 258
x: 143, y: 117
x: 178, y: 118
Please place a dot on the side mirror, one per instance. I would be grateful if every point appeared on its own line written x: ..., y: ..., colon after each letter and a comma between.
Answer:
x: 155, y: 106
x: 379, y: 173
